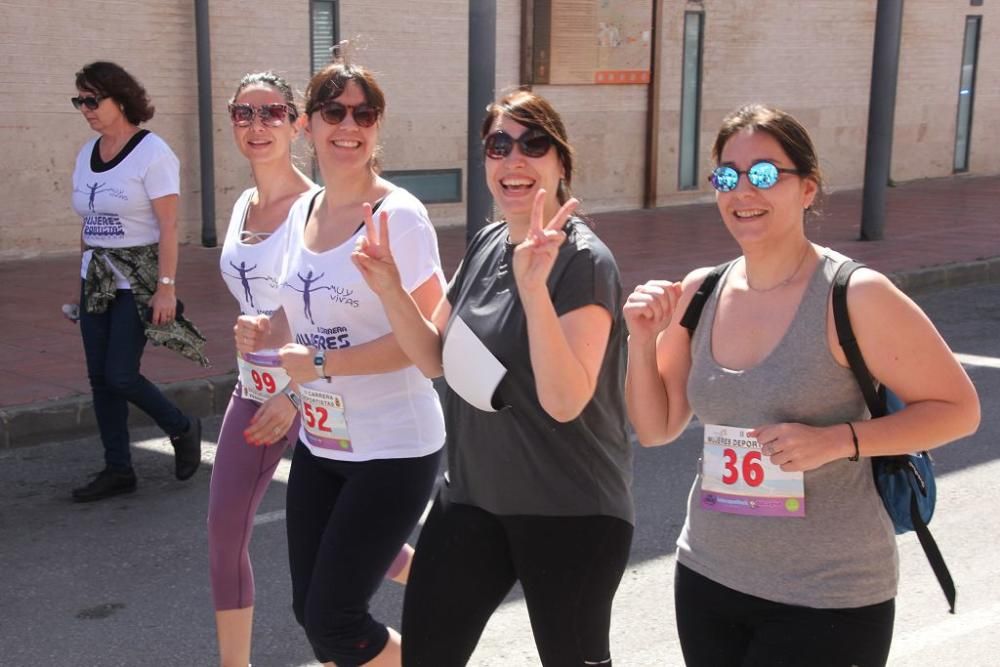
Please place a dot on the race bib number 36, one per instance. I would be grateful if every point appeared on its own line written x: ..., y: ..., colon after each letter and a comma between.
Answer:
x: 324, y: 420
x: 261, y: 376
x: 738, y: 479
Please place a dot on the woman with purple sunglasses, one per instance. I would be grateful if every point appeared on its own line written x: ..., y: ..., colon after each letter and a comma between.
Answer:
x: 787, y: 556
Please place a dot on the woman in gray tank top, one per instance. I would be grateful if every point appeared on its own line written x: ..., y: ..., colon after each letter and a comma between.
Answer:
x: 787, y: 556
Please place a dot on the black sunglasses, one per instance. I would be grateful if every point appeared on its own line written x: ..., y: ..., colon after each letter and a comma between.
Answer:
x: 91, y: 102
x: 334, y: 113
x: 762, y: 175
x: 271, y: 115
x: 532, y: 143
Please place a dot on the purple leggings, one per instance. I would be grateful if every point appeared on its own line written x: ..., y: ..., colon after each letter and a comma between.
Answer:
x: 239, y: 479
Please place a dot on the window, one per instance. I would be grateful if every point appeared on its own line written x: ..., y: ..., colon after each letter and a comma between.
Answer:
x: 966, y: 92
x: 694, y: 28
x: 325, y: 31
x: 430, y: 186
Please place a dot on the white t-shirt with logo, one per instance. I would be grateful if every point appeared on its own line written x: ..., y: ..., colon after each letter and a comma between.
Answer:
x: 329, y: 306
x: 252, y: 271
x: 114, y: 199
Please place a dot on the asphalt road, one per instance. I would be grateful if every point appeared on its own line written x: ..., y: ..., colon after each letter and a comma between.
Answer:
x: 125, y: 581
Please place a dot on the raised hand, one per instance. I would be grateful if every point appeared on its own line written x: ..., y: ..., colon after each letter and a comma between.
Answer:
x: 297, y: 360
x: 250, y: 331
x: 271, y: 421
x: 650, y: 308
x: 536, y: 254
x: 373, y: 256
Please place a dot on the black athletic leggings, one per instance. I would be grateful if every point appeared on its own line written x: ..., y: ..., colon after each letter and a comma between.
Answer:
x: 720, y: 627
x: 468, y: 559
x: 346, y: 523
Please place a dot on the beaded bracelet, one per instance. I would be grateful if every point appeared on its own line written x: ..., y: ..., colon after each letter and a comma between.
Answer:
x: 854, y: 437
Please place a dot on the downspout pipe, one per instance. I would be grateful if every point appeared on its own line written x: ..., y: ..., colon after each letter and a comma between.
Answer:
x: 205, y: 133
x: 881, y: 112
x: 482, y: 88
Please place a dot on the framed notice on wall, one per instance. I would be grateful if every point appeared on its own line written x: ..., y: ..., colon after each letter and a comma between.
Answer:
x: 586, y: 41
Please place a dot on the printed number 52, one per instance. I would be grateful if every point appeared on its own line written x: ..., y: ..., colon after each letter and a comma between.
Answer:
x: 753, y: 471
x: 316, y: 417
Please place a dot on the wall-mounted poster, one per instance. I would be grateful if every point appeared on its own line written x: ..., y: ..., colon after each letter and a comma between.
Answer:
x: 587, y: 41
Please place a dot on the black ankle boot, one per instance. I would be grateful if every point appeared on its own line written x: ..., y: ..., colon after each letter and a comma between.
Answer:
x: 106, y: 484
x: 187, y: 450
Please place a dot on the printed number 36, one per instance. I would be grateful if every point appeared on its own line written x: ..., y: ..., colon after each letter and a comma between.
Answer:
x: 753, y: 471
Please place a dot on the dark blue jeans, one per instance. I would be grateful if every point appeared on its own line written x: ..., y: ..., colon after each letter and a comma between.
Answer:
x: 113, y: 342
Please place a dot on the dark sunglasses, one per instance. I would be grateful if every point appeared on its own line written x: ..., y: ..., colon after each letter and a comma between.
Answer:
x: 90, y: 102
x: 334, y: 113
x: 762, y: 175
x: 532, y: 143
x: 271, y: 115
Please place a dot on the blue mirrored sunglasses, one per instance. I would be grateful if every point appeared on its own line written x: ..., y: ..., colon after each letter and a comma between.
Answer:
x: 762, y: 175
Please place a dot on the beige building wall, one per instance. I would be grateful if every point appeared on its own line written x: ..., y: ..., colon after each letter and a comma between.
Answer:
x: 810, y: 58
x: 928, y: 90
x: 42, y: 46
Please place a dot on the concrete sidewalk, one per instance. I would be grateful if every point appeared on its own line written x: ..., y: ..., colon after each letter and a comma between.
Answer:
x: 938, y: 233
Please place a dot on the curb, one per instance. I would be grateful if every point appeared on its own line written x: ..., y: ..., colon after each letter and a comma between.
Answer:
x: 73, y: 418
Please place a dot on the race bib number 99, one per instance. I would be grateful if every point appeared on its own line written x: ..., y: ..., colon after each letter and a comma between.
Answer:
x: 261, y: 376
x: 738, y: 479
x: 324, y: 420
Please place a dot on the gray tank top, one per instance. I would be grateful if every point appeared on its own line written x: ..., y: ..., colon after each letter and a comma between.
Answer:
x: 843, y: 552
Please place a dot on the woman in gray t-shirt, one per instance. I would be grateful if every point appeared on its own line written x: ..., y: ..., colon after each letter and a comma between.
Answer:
x: 530, y: 340
x: 787, y: 556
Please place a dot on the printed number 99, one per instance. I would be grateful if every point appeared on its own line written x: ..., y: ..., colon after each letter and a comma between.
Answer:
x: 753, y: 471
x: 264, y: 381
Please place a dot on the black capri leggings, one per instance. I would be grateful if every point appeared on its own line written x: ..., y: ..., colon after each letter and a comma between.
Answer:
x: 468, y: 559
x: 346, y: 523
x: 720, y: 627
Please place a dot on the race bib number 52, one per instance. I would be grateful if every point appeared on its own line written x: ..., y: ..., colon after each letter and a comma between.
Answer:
x: 324, y: 420
x: 738, y: 479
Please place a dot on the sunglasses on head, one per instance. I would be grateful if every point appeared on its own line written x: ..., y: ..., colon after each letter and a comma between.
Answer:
x: 271, y: 115
x: 91, y: 102
x: 532, y: 143
x: 762, y: 175
x: 334, y: 113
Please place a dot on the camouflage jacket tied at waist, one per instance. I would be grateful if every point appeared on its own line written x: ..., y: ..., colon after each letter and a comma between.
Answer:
x: 141, y: 266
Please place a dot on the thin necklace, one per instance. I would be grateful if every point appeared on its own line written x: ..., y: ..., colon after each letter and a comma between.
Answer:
x: 802, y: 260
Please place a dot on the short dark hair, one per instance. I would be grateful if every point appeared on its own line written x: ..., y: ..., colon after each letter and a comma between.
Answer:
x: 108, y: 79
x: 534, y: 111
x: 272, y: 79
x: 786, y: 130
x: 329, y: 84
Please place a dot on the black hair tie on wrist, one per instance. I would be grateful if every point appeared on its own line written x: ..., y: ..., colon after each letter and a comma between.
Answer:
x: 854, y: 437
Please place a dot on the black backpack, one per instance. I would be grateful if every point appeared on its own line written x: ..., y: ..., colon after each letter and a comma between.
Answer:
x: 904, y: 482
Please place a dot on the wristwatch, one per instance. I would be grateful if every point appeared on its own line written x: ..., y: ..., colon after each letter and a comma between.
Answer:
x: 167, y: 280
x: 319, y: 361
x: 293, y: 397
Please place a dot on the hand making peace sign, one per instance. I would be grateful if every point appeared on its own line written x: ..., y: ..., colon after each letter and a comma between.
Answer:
x: 536, y: 254
x: 372, y: 254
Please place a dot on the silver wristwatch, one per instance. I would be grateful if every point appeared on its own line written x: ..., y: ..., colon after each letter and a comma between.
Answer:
x: 293, y: 397
x: 167, y: 280
x: 319, y: 361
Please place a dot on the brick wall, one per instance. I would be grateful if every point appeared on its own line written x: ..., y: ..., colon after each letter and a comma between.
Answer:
x: 810, y: 58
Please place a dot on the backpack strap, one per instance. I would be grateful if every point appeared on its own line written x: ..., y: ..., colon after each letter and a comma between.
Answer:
x: 845, y: 336
x: 876, y: 401
x: 693, y: 313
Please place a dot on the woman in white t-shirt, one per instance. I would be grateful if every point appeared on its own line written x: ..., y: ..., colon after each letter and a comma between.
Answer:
x: 372, y: 430
x: 125, y: 188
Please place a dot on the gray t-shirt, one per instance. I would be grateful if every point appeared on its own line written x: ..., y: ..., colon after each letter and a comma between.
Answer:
x: 843, y: 552
x: 518, y: 460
